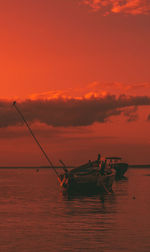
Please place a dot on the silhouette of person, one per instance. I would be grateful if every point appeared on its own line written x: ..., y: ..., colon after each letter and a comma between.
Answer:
x: 99, y: 157
x: 90, y: 163
x: 102, y: 167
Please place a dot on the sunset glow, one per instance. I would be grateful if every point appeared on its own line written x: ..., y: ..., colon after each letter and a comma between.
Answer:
x: 79, y: 71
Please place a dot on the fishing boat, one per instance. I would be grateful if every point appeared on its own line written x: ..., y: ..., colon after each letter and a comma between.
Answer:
x: 92, y: 176
x: 120, y: 167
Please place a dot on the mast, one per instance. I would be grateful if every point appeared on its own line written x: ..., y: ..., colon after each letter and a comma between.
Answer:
x: 37, y: 142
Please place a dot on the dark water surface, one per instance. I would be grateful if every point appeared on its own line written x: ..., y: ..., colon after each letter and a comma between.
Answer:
x: 35, y: 216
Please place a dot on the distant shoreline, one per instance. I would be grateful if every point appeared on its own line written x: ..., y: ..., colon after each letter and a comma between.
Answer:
x: 139, y: 166
x: 68, y: 167
x: 34, y: 167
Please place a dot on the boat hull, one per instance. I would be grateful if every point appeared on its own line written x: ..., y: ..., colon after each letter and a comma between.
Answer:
x: 121, y: 169
x: 89, y: 183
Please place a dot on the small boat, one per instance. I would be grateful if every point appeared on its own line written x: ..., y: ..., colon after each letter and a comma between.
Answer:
x: 90, y: 177
x: 120, y: 167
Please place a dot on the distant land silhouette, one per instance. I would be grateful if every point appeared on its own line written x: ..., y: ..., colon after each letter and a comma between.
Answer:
x: 60, y: 167
x: 34, y: 167
x: 139, y: 166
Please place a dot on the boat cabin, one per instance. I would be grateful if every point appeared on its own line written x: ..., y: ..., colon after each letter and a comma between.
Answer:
x: 112, y: 161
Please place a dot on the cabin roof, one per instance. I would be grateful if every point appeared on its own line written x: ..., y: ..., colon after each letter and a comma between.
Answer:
x: 117, y: 158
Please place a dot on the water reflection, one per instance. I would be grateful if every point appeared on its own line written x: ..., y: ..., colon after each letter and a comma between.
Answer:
x: 124, y: 178
x: 35, y: 216
x: 89, y: 204
x: 91, y: 219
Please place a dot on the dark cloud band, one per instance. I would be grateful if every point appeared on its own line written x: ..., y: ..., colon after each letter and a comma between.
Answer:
x: 72, y: 112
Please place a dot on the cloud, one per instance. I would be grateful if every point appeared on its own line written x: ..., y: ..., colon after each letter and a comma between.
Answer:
x: 71, y: 112
x: 118, y: 88
x: 148, y: 118
x: 95, y: 89
x: 133, y: 7
x: 41, y: 129
x: 131, y: 113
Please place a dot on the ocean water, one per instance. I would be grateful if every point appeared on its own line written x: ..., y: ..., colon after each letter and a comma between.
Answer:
x: 36, y: 216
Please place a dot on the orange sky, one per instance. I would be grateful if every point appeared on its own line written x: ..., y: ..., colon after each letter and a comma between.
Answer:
x: 81, y: 50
